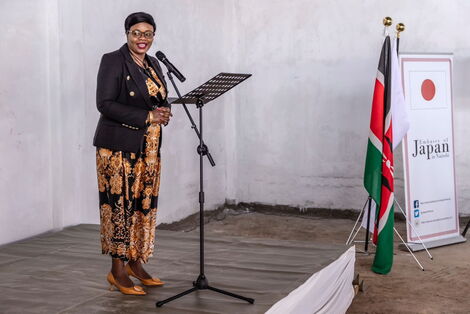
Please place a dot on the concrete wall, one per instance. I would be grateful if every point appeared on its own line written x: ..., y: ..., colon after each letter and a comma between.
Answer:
x: 294, y: 134
x: 304, y: 117
x: 50, y: 57
x: 26, y: 67
x: 181, y: 39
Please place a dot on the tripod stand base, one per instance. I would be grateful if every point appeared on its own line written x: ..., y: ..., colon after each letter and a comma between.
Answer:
x: 202, y: 284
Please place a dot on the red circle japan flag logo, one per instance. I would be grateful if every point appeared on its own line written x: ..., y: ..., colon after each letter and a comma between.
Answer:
x: 428, y: 89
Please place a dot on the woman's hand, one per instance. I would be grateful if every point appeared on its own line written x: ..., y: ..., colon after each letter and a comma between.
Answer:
x: 160, y: 116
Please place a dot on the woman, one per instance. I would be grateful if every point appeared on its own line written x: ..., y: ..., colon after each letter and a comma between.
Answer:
x: 132, y: 99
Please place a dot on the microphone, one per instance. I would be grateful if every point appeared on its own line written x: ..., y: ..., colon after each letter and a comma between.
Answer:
x: 171, y: 68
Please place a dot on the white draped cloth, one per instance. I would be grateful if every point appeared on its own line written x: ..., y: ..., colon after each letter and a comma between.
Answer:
x: 328, y: 291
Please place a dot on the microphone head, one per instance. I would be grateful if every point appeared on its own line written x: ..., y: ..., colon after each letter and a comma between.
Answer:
x: 160, y: 55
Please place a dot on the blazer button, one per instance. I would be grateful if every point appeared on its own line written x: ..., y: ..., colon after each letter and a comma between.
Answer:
x: 132, y: 93
x: 128, y: 78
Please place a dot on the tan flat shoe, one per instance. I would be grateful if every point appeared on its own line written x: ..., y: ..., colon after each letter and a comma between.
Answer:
x: 146, y: 282
x: 134, y: 290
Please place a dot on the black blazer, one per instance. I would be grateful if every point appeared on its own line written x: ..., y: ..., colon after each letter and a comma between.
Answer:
x: 123, y: 100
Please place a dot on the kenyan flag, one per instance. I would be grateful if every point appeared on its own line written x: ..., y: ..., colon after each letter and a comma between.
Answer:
x: 378, y: 176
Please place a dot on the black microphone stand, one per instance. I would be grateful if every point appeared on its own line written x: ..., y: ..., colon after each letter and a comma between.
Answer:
x: 201, y: 282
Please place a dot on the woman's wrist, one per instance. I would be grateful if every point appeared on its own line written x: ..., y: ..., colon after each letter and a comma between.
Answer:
x: 149, y: 118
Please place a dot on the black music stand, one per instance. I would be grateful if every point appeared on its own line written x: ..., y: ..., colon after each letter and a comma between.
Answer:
x: 200, y: 96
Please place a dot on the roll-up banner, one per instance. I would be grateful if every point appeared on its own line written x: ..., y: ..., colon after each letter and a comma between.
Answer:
x: 428, y: 150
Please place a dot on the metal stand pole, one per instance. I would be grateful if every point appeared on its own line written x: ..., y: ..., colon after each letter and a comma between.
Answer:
x: 366, y: 245
x: 349, y: 240
x: 409, y: 250
x: 413, y: 229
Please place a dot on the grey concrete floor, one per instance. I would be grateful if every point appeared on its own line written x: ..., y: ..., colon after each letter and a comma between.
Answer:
x: 64, y: 272
x: 443, y: 287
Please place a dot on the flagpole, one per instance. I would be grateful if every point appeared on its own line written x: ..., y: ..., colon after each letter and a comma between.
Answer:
x: 387, y: 22
x: 366, y: 245
x: 400, y: 28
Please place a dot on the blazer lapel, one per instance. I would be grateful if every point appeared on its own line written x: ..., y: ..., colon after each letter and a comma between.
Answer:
x: 136, y: 75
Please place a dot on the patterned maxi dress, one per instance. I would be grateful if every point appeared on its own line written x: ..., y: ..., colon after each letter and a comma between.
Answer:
x: 128, y: 186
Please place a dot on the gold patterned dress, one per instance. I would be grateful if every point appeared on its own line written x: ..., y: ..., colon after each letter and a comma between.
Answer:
x: 128, y: 186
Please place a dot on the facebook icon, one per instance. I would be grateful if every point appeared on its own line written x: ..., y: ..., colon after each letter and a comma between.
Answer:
x: 416, y: 204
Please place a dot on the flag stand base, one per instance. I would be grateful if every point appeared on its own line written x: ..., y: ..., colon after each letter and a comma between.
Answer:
x: 406, y: 246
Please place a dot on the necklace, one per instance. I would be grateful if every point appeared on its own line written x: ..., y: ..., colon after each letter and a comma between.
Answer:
x: 141, y: 63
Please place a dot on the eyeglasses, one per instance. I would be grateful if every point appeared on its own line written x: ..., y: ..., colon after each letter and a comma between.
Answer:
x: 137, y: 34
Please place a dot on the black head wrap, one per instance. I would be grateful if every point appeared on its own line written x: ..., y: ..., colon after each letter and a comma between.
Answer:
x: 139, y: 17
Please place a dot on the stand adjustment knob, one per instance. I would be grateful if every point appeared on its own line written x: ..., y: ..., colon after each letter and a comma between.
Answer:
x: 202, y: 149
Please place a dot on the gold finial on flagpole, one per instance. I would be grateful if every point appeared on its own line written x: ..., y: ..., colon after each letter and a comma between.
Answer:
x: 400, y: 28
x: 387, y: 21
